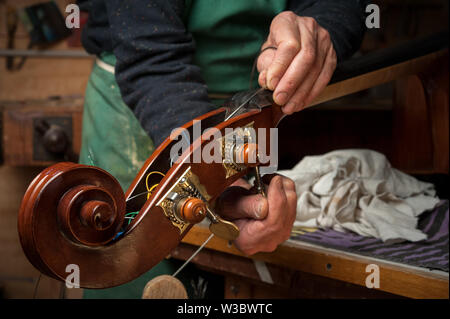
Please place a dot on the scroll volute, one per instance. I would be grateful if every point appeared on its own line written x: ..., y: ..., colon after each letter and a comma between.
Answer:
x: 69, y: 206
x: 73, y: 214
x: 89, y: 215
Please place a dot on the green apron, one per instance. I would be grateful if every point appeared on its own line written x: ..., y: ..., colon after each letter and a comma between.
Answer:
x: 228, y: 36
x: 112, y: 137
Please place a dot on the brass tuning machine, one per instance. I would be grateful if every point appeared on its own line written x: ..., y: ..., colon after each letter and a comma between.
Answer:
x: 189, y: 205
x: 222, y: 228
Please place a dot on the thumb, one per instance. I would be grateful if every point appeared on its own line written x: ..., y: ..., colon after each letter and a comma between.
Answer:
x: 238, y: 202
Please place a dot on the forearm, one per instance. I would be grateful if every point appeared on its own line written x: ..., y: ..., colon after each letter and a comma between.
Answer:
x: 154, y: 69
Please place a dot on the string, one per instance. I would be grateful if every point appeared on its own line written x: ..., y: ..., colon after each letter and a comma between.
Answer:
x: 255, y: 62
x: 137, y: 195
x: 36, y: 286
x: 149, y: 190
x: 212, y: 235
x: 62, y: 291
x: 131, y: 216
x: 193, y: 255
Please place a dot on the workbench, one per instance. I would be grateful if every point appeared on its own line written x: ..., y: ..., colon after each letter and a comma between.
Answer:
x: 302, y: 270
x: 298, y: 269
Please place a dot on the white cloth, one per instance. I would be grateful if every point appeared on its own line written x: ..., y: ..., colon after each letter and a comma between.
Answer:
x: 358, y: 190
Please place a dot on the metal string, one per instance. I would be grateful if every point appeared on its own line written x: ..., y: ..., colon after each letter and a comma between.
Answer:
x: 250, y: 87
x: 36, y: 286
x: 255, y: 63
x: 193, y: 255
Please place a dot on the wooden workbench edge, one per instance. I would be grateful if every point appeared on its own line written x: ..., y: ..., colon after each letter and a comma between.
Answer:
x: 394, y: 279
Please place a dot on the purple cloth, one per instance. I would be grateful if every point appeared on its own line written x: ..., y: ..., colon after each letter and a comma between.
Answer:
x: 431, y: 253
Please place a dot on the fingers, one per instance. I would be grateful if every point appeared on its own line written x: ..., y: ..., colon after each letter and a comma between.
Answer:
x: 303, y: 65
x: 266, y: 234
x: 317, y: 79
x: 266, y: 56
x: 285, y: 204
x: 277, y: 199
x: 285, y: 35
x: 262, y: 79
x: 324, y: 77
x: 284, y: 211
x: 264, y: 60
x: 237, y: 203
x: 242, y: 183
x: 291, y: 201
x: 267, y: 178
x: 250, y: 240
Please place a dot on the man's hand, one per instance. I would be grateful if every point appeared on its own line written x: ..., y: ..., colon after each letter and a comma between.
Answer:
x: 264, y: 223
x: 301, y: 66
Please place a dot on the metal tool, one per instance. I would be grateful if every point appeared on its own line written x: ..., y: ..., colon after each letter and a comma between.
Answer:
x: 243, y: 104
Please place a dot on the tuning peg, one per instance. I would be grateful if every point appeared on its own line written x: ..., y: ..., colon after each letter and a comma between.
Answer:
x: 258, y: 182
x: 246, y: 154
x: 191, y: 210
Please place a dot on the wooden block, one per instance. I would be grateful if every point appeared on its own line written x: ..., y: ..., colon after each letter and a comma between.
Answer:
x: 164, y: 287
x: 20, y: 138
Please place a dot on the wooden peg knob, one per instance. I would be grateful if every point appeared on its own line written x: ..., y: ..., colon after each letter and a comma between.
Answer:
x: 247, y: 154
x: 164, y: 287
x: 192, y: 210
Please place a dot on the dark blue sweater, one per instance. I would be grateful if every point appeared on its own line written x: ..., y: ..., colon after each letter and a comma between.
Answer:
x: 130, y: 28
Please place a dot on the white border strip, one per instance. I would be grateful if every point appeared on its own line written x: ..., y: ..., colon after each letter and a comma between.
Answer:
x: 105, y: 66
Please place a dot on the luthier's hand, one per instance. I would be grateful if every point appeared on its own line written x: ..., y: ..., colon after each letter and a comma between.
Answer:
x: 302, y: 64
x: 264, y: 223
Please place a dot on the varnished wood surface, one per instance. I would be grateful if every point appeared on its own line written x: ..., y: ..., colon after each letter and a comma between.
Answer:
x: 242, y: 279
x: 397, y: 279
x: 49, y: 245
x: 167, y: 236
x: 379, y: 77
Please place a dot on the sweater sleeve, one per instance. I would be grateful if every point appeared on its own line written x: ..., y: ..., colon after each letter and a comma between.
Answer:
x: 154, y: 68
x: 343, y: 19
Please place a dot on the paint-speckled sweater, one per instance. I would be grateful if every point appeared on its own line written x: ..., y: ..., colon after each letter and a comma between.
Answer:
x: 154, y: 50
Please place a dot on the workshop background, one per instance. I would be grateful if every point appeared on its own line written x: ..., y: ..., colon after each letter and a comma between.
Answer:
x: 48, y: 89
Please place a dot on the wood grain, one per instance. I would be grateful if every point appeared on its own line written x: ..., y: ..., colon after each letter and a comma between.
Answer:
x: 395, y: 279
x: 378, y: 77
x: 286, y: 282
x: 18, y: 128
x: 164, y: 287
x: 413, y: 146
x: 436, y: 86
